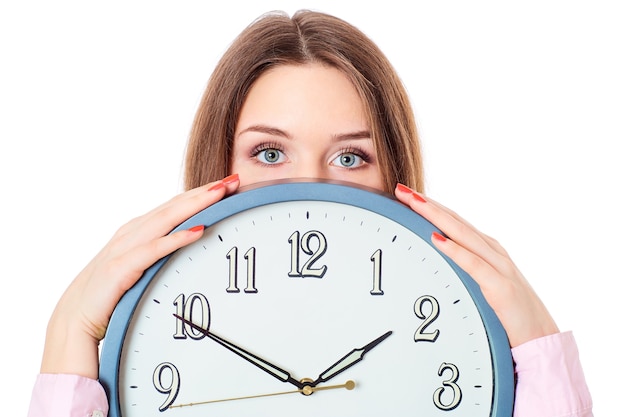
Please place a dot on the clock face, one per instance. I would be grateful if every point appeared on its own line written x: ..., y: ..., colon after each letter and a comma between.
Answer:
x: 307, y: 298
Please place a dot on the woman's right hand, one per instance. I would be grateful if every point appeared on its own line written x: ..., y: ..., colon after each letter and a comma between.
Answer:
x: 81, y: 316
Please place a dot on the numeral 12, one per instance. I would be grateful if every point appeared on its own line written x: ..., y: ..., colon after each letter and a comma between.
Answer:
x: 307, y: 270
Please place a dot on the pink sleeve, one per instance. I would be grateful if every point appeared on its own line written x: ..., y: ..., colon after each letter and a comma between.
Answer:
x: 550, y: 379
x: 67, y: 395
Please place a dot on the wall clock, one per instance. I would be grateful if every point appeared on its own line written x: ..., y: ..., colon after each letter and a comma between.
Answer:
x: 310, y: 299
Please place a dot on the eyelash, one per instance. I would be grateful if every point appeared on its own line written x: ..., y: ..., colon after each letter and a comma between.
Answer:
x: 366, y: 157
x: 356, y: 150
x: 265, y: 146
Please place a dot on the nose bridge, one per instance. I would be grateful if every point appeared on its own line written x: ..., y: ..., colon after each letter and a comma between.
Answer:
x: 310, y: 166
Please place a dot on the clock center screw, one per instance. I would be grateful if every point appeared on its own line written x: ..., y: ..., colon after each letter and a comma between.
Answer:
x: 307, y: 389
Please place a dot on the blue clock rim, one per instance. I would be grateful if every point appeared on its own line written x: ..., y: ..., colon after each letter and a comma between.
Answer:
x: 311, y: 190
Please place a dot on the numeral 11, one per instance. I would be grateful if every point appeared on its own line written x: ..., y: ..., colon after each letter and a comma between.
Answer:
x: 250, y: 257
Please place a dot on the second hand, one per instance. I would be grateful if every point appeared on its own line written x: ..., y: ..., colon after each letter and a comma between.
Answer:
x: 307, y: 390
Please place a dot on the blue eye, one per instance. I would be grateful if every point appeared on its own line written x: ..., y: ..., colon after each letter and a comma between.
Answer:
x: 348, y: 160
x: 270, y: 156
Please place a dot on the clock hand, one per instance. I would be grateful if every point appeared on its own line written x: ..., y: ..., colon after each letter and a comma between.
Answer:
x: 349, y: 385
x: 268, y: 367
x: 354, y: 356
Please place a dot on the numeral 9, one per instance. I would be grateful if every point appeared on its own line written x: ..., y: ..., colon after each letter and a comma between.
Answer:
x: 173, y: 383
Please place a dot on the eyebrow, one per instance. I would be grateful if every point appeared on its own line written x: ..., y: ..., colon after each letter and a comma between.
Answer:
x: 360, y: 134
x: 266, y: 129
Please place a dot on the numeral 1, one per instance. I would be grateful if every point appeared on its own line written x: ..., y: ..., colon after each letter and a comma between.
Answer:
x: 250, y: 257
x: 377, y: 260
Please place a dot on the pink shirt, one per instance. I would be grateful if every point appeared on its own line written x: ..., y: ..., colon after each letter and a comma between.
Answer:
x: 67, y: 395
x: 550, y: 382
x: 550, y: 379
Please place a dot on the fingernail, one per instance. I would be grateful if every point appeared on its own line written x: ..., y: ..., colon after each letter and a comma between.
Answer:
x: 230, y: 179
x: 404, y: 189
x: 439, y: 237
x: 197, y: 228
x: 419, y: 198
x: 216, y: 186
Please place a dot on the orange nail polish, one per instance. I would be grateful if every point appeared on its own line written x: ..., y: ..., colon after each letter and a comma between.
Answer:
x: 439, y: 237
x: 419, y: 198
x: 197, y: 228
x: 230, y: 179
x: 403, y: 188
x: 216, y: 186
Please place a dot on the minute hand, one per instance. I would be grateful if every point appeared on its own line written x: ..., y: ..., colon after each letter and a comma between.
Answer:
x: 354, y: 356
x: 261, y: 363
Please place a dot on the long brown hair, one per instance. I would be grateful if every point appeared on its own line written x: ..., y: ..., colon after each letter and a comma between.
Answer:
x: 307, y: 37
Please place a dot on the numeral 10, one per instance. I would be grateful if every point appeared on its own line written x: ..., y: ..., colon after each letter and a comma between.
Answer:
x: 185, y: 308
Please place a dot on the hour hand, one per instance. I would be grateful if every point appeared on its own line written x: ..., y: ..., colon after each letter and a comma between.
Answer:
x: 261, y: 363
x: 354, y: 356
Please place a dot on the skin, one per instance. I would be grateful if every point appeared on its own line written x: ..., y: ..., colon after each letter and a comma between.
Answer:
x: 522, y: 314
x: 304, y: 121
x: 297, y: 121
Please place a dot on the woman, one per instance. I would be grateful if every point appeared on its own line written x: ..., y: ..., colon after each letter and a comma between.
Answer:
x: 308, y: 96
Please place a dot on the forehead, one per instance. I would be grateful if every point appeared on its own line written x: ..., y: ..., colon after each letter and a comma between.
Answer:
x: 314, y: 90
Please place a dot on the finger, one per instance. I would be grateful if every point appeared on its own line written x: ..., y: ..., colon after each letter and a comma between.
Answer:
x: 481, y: 271
x: 519, y: 309
x: 494, y: 244
x: 455, y: 227
x: 199, y: 198
x: 167, y: 216
x: 108, y: 282
x: 129, y: 266
x: 488, y: 239
x: 185, y: 205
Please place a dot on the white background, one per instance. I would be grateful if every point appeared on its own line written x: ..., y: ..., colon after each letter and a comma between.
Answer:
x: 520, y: 106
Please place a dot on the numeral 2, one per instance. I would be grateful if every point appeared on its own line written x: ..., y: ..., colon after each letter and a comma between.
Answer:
x: 420, y: 334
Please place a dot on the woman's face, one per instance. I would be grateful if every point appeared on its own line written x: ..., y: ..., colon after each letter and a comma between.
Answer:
x: 304, y: 121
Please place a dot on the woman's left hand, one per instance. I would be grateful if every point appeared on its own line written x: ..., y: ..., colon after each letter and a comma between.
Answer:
x: 521, y: 312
